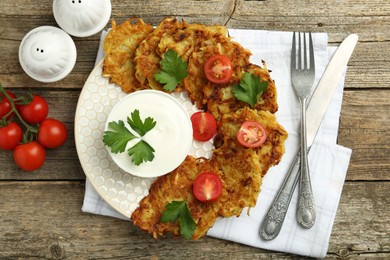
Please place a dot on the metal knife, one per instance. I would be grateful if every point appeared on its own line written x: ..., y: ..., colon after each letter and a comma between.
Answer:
x: 316, y: 110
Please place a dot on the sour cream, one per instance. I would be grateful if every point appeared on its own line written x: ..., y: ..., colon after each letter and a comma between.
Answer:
x: 171, y: 138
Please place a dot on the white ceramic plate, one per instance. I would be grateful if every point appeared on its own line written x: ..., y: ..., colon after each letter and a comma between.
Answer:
x: 119, y: 189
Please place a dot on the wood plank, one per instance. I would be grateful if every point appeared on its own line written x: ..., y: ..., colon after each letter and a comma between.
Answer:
x: 60, y: 230
x: 368, y: 67
x: 212, y: 11
x: 337, y: 18
x: 364, y: 127
x: 362, y: 223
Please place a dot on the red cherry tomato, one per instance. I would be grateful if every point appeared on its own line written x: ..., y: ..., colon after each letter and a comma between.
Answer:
x: 218, y: 69
x: 52, y: 133
x: 204, y: 126
x: 29, y: 156
x: 207, y: 187
x: 251, y: 134
x: 10, y: 136
x: 35, y: 111
x: 5, y: 105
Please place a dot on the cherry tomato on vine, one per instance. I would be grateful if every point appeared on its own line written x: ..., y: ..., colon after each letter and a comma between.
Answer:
x: 10, y: 136
x: 35, y: 111
x: 29, y: 156
x: 5, y: 105
x: 218, y: 69
x: 207, y: 187
x: 52, y: 133
x: 251, y: 134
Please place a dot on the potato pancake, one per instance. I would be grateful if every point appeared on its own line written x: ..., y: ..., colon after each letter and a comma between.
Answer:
x: 177, y: 186
x: 147, y: 59
x: 219, y: 98
x: 119, y: 47
x: 196, y: 84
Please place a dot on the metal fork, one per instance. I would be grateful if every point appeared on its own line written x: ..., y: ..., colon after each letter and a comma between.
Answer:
x: 274, y: 218
x: 302, y: 79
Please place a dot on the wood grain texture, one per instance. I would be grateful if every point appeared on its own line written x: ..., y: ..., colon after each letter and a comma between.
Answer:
x: 59, y: 230
x: 365, y: 127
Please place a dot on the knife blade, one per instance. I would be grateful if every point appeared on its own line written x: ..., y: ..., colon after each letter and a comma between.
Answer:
x: 316, y: 110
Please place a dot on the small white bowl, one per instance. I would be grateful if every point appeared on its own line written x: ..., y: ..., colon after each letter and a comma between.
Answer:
x: 82, y: 18
x: 47, y: 54
x: 171, y: 138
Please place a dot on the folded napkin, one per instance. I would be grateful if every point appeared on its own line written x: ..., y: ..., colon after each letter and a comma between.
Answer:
x: 328, y: 162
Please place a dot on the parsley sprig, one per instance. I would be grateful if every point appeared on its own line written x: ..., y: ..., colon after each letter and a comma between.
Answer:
x: 173, y: 70
x: 119, y: 135
x: 250, y: 89
x: 178, y: 210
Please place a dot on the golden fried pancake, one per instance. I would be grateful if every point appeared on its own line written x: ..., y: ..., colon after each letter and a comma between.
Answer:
x: 243, y: 167
x: 176, y: 186
x: 196, y: 83
x: 268, y: 154
x: 119, y: 47
x: 189, y: 38
x: 147, y: 59
x: 219, y: 98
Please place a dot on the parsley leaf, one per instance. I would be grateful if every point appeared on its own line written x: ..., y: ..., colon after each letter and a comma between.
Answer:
x: 118, y: 138
x: 172, y: 211
x: 250, y: 89
x: 174, y: 70
x: 140, y: 152
x: 137, y: 125
x: 179, y: 210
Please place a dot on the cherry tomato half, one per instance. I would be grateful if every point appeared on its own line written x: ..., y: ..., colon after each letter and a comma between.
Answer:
x: 52, y: 133
x: 5, y: 105
x: 29, y: 156
x: 10, y: 136
x: 207, y: 187
x: 251, y: 134
x: 204, y: 126
x: 35, y: 111
x: 218, y: 69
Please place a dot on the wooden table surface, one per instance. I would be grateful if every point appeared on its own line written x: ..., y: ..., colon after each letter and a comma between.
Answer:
x: 40, y: 212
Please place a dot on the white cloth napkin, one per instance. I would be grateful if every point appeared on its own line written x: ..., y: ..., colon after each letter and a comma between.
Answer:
x: 328, y: 161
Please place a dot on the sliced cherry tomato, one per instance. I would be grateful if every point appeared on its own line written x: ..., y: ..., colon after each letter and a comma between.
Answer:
x: 204, y: 126
x: 29, y: 156
x: 5, y: 105
x: 207, y: 187
x: 52, y: 133
x: 35, y: 111
x: 10, y: 136
x: 251, y: 134
x: 218, y: 69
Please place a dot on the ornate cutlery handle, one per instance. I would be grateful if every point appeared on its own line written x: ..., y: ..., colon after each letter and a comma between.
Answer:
x: 306, y: 212
x: 273, y: 221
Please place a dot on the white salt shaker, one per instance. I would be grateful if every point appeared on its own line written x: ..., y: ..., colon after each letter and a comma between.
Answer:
x: 47, y: 54
x: 82, y: 18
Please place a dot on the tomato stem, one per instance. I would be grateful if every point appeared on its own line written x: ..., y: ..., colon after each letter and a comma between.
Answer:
x: 13, y: 109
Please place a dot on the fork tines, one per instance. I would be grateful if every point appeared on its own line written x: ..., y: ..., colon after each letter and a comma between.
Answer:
x: 302, y: 56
